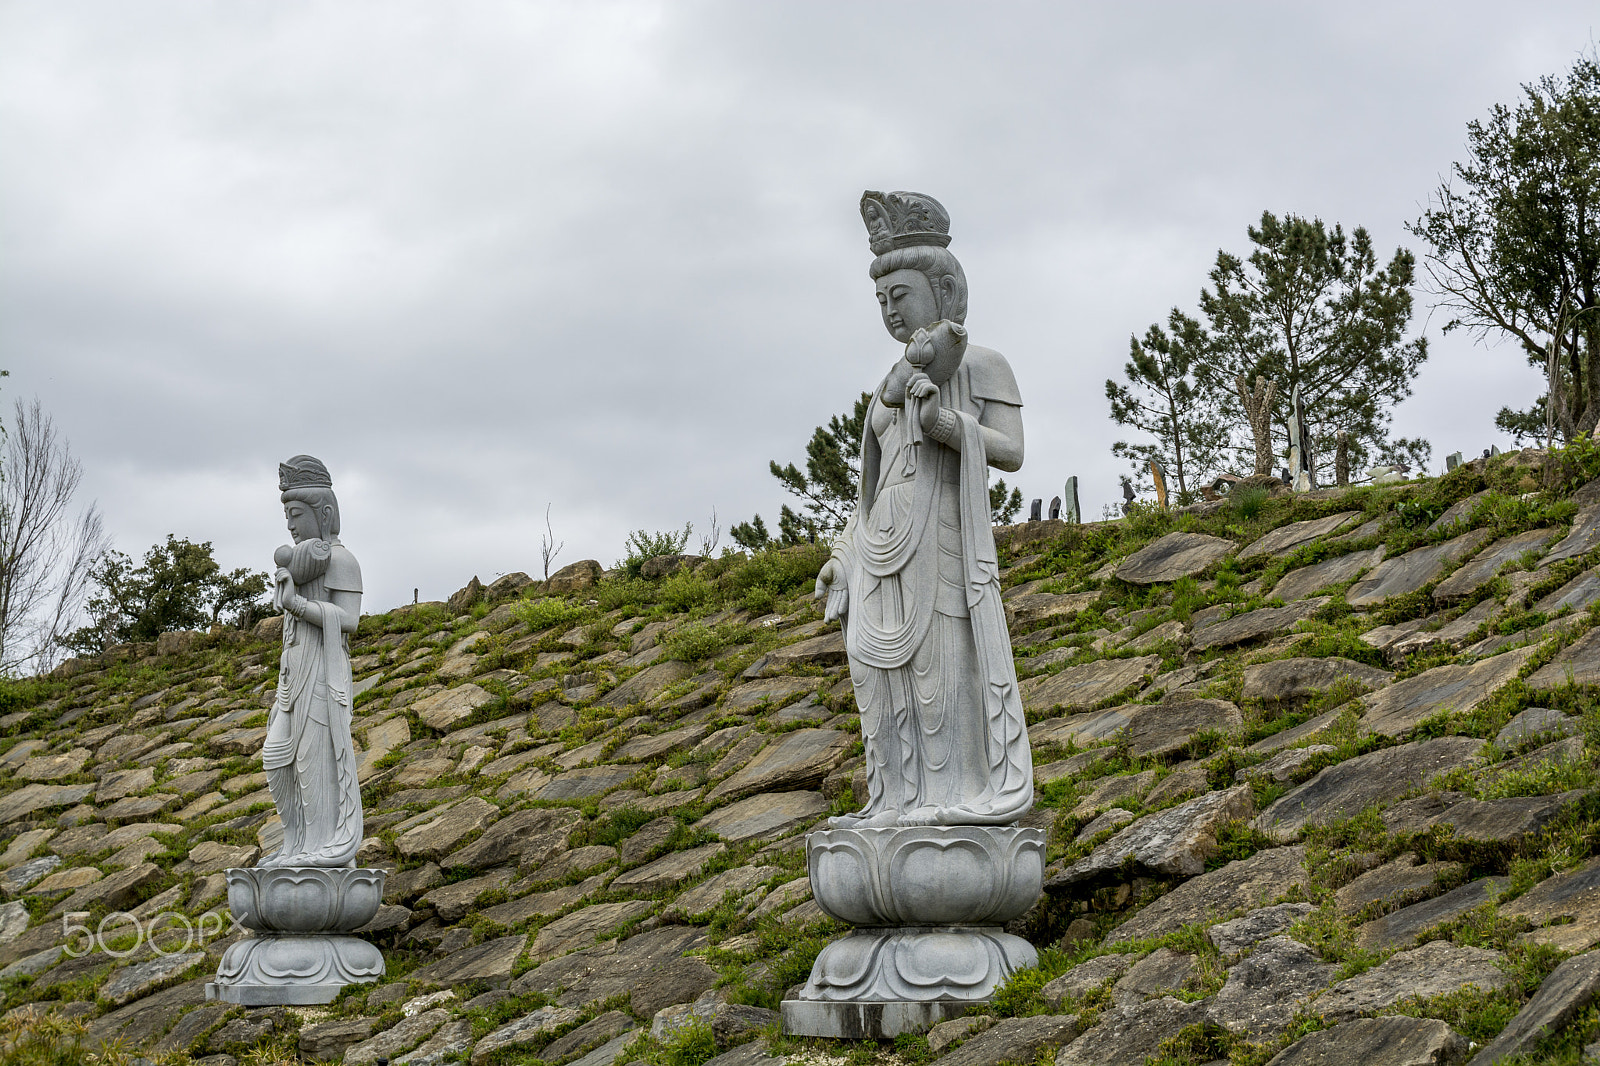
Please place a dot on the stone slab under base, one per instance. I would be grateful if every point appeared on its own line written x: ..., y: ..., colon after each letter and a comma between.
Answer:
x: 867, y: 1020
x: 263, y: 971
x: 300, y: 995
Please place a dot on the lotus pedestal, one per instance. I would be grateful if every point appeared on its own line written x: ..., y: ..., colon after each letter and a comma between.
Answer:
x: 301, y: 952
x: 928, y: 904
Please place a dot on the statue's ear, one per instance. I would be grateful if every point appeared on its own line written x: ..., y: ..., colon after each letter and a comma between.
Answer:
x: 948, y: 295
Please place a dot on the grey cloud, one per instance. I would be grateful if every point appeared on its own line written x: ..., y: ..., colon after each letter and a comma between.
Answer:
x: 607, y: 256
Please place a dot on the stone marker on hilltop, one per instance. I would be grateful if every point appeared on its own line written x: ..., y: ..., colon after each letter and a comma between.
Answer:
x: 303, y: 900
x: 934, y: 864
x: 1302, y: 476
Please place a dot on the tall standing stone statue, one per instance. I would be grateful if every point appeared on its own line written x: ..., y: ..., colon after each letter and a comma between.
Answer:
x: 303, y: 900
x: 933, y: 865
x: 1300, y: 465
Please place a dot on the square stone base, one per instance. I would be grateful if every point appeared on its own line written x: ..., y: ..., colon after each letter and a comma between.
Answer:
x: 864, y: 1020
x: 284, y: 995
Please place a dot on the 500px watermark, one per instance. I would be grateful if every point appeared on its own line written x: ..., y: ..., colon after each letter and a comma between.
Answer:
x: 117, y: 925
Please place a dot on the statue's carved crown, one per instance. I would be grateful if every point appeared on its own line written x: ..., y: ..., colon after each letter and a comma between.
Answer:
x: 903, y: 219
x: 303, y: 472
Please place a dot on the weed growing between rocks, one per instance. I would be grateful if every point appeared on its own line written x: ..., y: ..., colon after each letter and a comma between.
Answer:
x: 39, y: 1038
x: 1479, y: 1014
x: 1249, y: 502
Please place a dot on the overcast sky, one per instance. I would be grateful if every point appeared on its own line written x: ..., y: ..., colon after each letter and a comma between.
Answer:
x: 481, y: 258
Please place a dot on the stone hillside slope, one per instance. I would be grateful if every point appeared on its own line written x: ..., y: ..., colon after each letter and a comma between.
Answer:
x: 1318, y: 772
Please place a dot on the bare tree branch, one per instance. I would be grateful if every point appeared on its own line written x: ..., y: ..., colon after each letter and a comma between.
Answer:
x: 709, y: 541
x: 548, y: 548
x: 46, y: 553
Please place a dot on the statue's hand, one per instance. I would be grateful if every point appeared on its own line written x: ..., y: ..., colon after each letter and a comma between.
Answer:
x: 922, y: 389
x: 283, y: 587
x: 831, y: 584
x: 828, y: 575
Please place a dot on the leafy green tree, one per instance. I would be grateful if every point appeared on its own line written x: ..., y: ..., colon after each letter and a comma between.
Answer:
x: 178, y: 585
x: 1166, y: 396
x: 1514, y: 238
x: 238, y: 597
x: 1311, y: 307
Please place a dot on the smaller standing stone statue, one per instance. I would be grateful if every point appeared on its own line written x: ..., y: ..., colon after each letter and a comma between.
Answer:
x: 303, y: 900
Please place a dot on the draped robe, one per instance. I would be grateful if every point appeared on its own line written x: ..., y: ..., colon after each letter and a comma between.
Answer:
x: 925, y: 630
x: 308, y: 755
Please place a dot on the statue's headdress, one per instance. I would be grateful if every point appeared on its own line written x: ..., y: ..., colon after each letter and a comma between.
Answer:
x: 903, y: 219
x: 303, y: 472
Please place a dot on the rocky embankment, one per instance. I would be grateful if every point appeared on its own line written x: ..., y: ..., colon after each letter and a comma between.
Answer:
x: 1318, y: 772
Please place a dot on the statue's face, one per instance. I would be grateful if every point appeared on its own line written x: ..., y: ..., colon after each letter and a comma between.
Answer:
x: 907, y: 302
x: 302, y: 521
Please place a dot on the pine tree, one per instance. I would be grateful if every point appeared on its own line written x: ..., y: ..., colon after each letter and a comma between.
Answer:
x: 1165, y: 398
x: 1311, y: 307
x: 1003, y: 507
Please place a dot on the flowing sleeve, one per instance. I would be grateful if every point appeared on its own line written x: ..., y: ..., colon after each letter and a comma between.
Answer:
x: 344, y: 573
x: 990, y: 376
